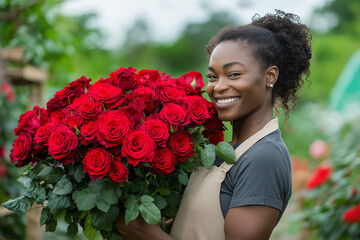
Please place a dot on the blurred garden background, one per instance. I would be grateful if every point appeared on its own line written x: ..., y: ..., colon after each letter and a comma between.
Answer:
x: 44, y: 46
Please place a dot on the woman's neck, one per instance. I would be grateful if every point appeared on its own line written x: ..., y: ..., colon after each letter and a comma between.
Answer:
x: 247, y: 126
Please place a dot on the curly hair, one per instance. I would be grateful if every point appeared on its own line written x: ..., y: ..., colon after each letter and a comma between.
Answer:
x: 276, y: 39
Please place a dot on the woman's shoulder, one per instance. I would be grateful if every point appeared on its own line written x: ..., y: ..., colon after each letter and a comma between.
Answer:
x: 269, y: 151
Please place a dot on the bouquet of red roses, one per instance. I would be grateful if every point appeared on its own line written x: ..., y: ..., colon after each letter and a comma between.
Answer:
x: 125, y: 143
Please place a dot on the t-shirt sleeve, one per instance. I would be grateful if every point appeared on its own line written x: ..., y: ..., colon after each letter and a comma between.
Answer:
x: 263, y: 178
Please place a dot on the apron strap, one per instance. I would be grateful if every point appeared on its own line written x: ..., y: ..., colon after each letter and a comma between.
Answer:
x: 244, y: 146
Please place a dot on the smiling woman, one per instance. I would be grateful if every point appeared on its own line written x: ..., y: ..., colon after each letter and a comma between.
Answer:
x: 252, y: 69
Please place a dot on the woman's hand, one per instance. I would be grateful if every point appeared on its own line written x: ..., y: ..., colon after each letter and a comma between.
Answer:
x: 138, y: 229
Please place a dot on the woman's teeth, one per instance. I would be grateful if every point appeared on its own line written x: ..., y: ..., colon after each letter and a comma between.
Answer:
x: 227, y: 100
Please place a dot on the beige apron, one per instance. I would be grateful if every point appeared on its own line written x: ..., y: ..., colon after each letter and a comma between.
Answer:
x: 199, y: 216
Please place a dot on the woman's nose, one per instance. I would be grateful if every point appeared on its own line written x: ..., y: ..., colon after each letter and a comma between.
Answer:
x: 220, y: 85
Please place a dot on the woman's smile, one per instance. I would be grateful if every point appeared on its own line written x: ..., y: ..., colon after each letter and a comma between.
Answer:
x: 222, y: 103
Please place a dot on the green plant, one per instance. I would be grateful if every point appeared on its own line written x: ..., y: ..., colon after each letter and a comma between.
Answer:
x: 328, y: 204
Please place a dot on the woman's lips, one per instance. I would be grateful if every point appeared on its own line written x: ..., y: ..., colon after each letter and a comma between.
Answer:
x: 225, y: 102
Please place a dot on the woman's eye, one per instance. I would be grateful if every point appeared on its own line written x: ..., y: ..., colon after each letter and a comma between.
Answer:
x: 235, y: 74
x: 211, y: 77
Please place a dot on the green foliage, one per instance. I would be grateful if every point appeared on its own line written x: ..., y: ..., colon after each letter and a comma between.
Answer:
x: 346, y: 13
x: 323, y: 207
x: 50, y: 39
x: 187, y: 53
x: 226, y: 152
x: 331, y: 52
x: 208, y: 156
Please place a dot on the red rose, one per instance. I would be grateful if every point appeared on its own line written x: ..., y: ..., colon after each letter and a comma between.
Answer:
x: 63, y: 98
x: 118, y: 171
x: 78, y: 102
x: 81, y: 84
x: 62, y: 143
x: 57, y: 116
x: 21, y: 151
x: 107, y: 94
x: 189, y: 90
x: 195, y: 79
x: 73, y: 121
x: 44, y: 115
x: 97, y: 163
x: 87, y: 133
x: 163, y: 162
x: 352, y: 215
x: 182, y: 145
x: 91, y: 110
x: 124, y: 78
x: 320, y: 176
x: 111, y: 128
x: 214, y: 137
x: 42, y: 135
x: 146, y: 95
x: 175, y: 115
x: 213, y: 124
x: 135, y: 112
x: 172, y: 94
x: 28, y: 122
x: 138, y: 147
x: 198, y: 109
x: 147, y: 76
x: 157, y: 130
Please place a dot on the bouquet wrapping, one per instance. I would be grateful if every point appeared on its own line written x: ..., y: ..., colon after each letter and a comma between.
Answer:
x: 124, y: 143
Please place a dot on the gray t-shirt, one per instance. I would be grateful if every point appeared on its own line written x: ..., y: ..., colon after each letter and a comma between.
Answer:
x: 261, y: 176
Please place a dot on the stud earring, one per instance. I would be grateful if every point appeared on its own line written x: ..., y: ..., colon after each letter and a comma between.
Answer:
x: 271, y: 85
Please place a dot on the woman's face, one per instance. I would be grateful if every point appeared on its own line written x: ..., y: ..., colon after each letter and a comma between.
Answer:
x: 237, y: 82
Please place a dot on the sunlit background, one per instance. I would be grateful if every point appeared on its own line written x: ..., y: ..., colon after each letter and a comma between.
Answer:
x: 62, y: 40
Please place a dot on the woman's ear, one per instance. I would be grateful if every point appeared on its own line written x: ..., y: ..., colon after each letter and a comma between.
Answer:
x: 272, y: 74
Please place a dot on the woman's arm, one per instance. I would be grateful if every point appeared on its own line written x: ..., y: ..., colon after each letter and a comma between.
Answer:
x: 138, y: 229
x: 253, y: 222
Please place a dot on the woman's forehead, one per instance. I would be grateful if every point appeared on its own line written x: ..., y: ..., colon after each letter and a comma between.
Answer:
x: 230, y: 51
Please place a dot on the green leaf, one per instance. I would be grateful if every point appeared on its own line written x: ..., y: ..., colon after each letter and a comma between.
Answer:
x: 159, y: 201
x: 97, y: 185
x: 89, y: 230
x: 103, y: 220
x: 208, y: 156
x: 57, y: 202
x: 149, y: 212
x: 51, y: 225
x: 197, y: 137
x: 102, y: 205
x: 68, y: 218
x: 51, y: 174
x: 86, y: 199
x: 45, y: 215
x: 118, y: 192
x: 20, y: 204
x: 164, y: 191
x: 226, y: 152
x: 132, y: 209
x: 25, y: 181
x: 72, y: 229
x: 63, y: 187
x: 77, y: 173
x: 39, y: 194
x: 183, y: 177
x: 354, y: 175
x: 146, y: 198
x: 109, y: 194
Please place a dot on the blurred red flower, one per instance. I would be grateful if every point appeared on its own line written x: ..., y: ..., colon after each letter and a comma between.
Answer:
x: 319, y: 176
x: 8, y: 91
x: 352, y: 215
